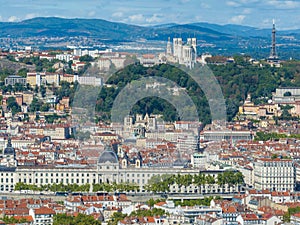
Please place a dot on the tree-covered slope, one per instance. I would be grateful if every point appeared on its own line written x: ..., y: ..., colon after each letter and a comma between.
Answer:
x: 236, y: 80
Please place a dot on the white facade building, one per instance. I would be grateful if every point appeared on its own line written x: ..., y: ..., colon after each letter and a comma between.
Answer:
x: 108, y: 170
x: 87, y: 80
x: 185, y: 53
x: 65, y: 57
x: 274, y: 174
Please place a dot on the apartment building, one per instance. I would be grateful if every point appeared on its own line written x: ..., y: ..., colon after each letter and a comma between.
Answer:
x: 274, y: 174
x: 14, y: 79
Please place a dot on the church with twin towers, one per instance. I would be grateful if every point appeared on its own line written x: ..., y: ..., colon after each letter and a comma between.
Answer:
x: 182, y: 53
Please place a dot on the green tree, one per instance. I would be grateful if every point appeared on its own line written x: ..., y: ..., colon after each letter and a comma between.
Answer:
x: 80, y: 219
x: 13, y: 105
x: 82, y: 135
x: 43, y: 91
x: 12, y: 220
x: 86, y: 58
x: 18, y: 87
x: 116, y: 217
x: 35, y: 105
x: 45, y: 107
x: 151, y: 202
x: 23, y: 72
x: 36, y: 89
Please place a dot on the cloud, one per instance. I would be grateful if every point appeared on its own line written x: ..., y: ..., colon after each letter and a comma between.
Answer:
x: 244, y: 3
x: 13, y: 19
x: 91, y: 13
x: 117, y: 14
x: 266, y: 23
x: 198, y: 18
x: 232, y: 3
x: 247, y: 11
x: 205, y: 6
x: 249, y: 1
x: 283, y: 4
x: 136, y: 18
x: 237, y: 19
x: 30, y: 16
x: 154, y: 19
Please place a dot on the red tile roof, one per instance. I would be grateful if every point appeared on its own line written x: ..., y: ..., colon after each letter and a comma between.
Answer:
x: 44, y: 211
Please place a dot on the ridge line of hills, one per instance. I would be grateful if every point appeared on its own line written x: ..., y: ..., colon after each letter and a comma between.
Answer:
x: 54, y: 26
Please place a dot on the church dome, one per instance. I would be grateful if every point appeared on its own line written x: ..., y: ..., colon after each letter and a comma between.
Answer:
x: 9, y: 150
x: 108, y: 156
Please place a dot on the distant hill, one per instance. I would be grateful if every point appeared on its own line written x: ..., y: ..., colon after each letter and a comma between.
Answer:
x: 236, y: 30
x: 216, y: 39
x: 53, y: 26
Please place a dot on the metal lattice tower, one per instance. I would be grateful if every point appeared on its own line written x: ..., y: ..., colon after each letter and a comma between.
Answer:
x: 273, y: 54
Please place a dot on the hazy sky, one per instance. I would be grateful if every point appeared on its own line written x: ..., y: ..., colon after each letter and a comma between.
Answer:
x: 258, y: 13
